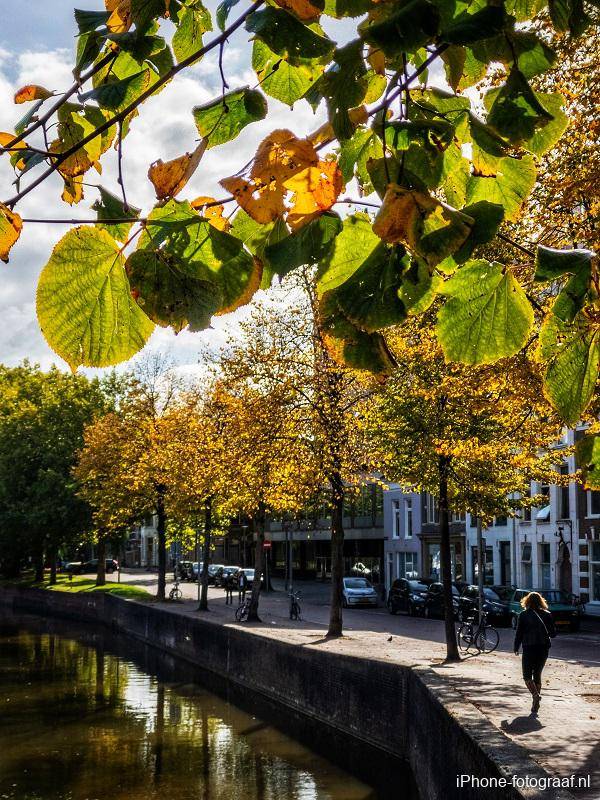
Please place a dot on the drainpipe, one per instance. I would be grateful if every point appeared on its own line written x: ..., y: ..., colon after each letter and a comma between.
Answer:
x: 480, y: 567
x: 515, y: 582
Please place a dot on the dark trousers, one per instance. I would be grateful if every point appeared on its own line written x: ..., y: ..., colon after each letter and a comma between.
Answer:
x: 534, y: 659
x: 228, y: 596
x: 241, y: 594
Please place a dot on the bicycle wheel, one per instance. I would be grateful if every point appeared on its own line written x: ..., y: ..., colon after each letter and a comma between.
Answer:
x: 175, y: 594
x: 465, y: 636
x: 240, y: 613
x: 487, y: 640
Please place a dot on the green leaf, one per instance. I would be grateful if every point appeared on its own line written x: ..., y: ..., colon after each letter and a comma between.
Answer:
x: 572, y: 297
x: 487, y: 315
x: 587, y: 459
x: 467, y: 28
x: 406, y: 30
x: 487, y: 220
x: 370, y: 297
x: 222, y: 120
x: 210, y: 255
x: 306, y: 246
x: 116, y: 95
x: 344, y: 86
x: 515, y: 110
x: 111, y: 207
x: 348, y: 344
x: 89, y: 46
x: 551, y: 263
x: 419, y: 287
x: 509, y: 188
x: 256, y: 238
x: 194, y: 21
x: 84, y: 304
x: 347, y: 8
x: 280, y: 79
x: 90, y: 20
x: 363, y: 146
x: 223, y: 11
x: 524, y: 10
x: 573, y: 353
x: 547, y: 136
x: 145, y: 12
x: 351, y: 248
x: 169, y: 293
x: 287, y: 36
x: 488, y: 149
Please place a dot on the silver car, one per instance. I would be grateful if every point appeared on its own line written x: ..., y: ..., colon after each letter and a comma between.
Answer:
x: 358, y: 592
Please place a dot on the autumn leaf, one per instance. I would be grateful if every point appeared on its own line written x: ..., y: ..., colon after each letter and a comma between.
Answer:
x: 120, y: 15
x: 5, y: 139
x: 170, y: 177
x: 31, y: 92
x: 305, y: 10
x: 287, y: 179
x: 11, y: 225
x: 73, y: 189
x: 212, y: 213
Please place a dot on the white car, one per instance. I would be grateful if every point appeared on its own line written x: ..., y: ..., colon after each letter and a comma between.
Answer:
x: 358, y: 592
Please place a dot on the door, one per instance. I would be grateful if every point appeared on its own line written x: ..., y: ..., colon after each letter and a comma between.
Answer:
x: 505, y: 564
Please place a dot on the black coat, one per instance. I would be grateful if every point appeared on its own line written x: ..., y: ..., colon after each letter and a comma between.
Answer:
x: 534, y: 628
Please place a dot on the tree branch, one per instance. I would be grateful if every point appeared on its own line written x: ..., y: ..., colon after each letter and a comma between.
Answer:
x: 135, y: 103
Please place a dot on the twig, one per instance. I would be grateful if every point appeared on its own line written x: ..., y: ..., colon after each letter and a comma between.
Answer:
x: 120, y: 180
x: 352, y: 202
x: 224, y: 84
x: 135, y: 103
x: 520, y: 247
x: 86, y: 221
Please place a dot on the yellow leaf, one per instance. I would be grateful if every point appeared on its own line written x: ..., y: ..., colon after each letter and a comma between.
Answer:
x: 73, y: 189
x: 214, y: 213
x: 120, y: 15
x: 400, y: 214
x: 376, y: 59
x: 303, y: 9
x: 315, y: 190
x: 170, y: 177
x: 5, y: 138
x: 11, y: 225
x: 31, y: 92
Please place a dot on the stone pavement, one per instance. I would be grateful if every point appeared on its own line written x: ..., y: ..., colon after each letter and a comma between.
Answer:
x: 564, y: 738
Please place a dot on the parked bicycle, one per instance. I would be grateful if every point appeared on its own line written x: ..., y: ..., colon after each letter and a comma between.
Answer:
x: 175, y: 593
x: 479, y: 635
x: 295, y: 609
x: 242, y: 611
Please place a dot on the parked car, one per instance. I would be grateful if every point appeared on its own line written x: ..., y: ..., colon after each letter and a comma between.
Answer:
x: 358, y: 592
x: 564, y: 613
x: 407, y: 595
x: 213, y: 570
x: 196, y: 570
x: 184, y: 571
x: 434, y: 600
x: 91, y: 566
x: 223, y: 573
x: 249, y: 572
x: 494, y: 606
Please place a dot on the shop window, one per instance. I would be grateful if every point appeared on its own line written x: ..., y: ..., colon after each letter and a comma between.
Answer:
x: 595, y: 571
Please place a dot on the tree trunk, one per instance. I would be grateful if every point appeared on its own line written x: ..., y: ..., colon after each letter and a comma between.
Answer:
x: 258, y: 564
x: 39, y: 564
x: 337, y: 555
x: 161, y: 529
x: 203, y: 604
x: 53, y: 556
x: 446, y: 561
x: 101, y: 553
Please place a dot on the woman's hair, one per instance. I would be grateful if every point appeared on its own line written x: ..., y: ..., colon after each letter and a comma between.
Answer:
x: 534, y: 600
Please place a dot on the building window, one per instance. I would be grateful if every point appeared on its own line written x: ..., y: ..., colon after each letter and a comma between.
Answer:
x: 410, y: 565
x: 564, y: 510
x: 396, y: 519
x: 595, y: 571
x: 527, y: 510
x: 378, y: 501
x: 500, y: 522
x: 459, y: 517
x: 473, y: 521
x: 593, y: 504
x: 545, y: 578
x: 364, y: 502
x: 431, y: 509
x: 526, y: 575
x: 408, y: 518
x: 488, y: 566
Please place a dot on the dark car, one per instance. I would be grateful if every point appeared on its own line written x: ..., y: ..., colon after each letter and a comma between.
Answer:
x: 407, y: 595
x: 91, y: 566
x: 494, y: 606
x: 434, y: 600
x: 213, y: 571
x: 184, y: 571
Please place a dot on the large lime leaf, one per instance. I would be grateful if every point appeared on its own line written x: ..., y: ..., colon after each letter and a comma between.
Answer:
x: 515, y: 111
x: 509, y: 188
x: 308, y: 245
x: 280, y: 79
x: 572, y: 351
x: 194, y: 20
x: 287, y: 36
x: 551, y: 263
x: 467, y: 28
x: 257, y: 237
x: 113, y: 208
x: 487, y: 315
x: 84, y: 303
x: 548, y: 135
x: 352, y: 247
x: 419, y: 287
x: 363, y: 146
x: 210, y: 254
x: 587, y: 459
x: 168, y: 293
x: 222, y: 119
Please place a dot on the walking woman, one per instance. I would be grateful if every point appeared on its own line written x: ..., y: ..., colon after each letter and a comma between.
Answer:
x: 535, y: 629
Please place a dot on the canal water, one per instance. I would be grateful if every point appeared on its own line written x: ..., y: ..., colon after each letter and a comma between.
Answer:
x: 85, y: 715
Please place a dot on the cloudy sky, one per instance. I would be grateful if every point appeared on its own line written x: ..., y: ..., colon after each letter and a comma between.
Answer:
x: 40, y: 50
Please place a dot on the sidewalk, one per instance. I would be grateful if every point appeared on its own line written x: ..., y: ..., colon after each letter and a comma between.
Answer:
x: 564, y: 738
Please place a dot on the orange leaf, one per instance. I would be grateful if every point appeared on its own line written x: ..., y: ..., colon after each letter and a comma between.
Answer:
x: 5, y: 138
x: 315, y: 190
x: 170, y: 177
x: 282, y: 154
x: 400, y: 214
x: 303, y: 9
x: 73, y: 189
x: 264, y: 203
x: 376, y: 59
x: 31, y: 92
x: 120, y: 15
x: 214, y: 214
x: 11, y: 226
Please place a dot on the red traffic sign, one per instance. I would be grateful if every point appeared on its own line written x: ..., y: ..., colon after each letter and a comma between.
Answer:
x: 266, y: 545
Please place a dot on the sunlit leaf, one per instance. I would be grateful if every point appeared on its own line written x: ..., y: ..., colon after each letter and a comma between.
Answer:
x: 169, y: 177
x: 305, y: 246
x: 221, y: 120
x: 287, y: 36
x: 31, y: 92
x: 10, y: 230
x: 113, y: 208
x: 194, y: 21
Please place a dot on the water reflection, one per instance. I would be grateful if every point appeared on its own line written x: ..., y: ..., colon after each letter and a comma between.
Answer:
x: 80, y: 722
